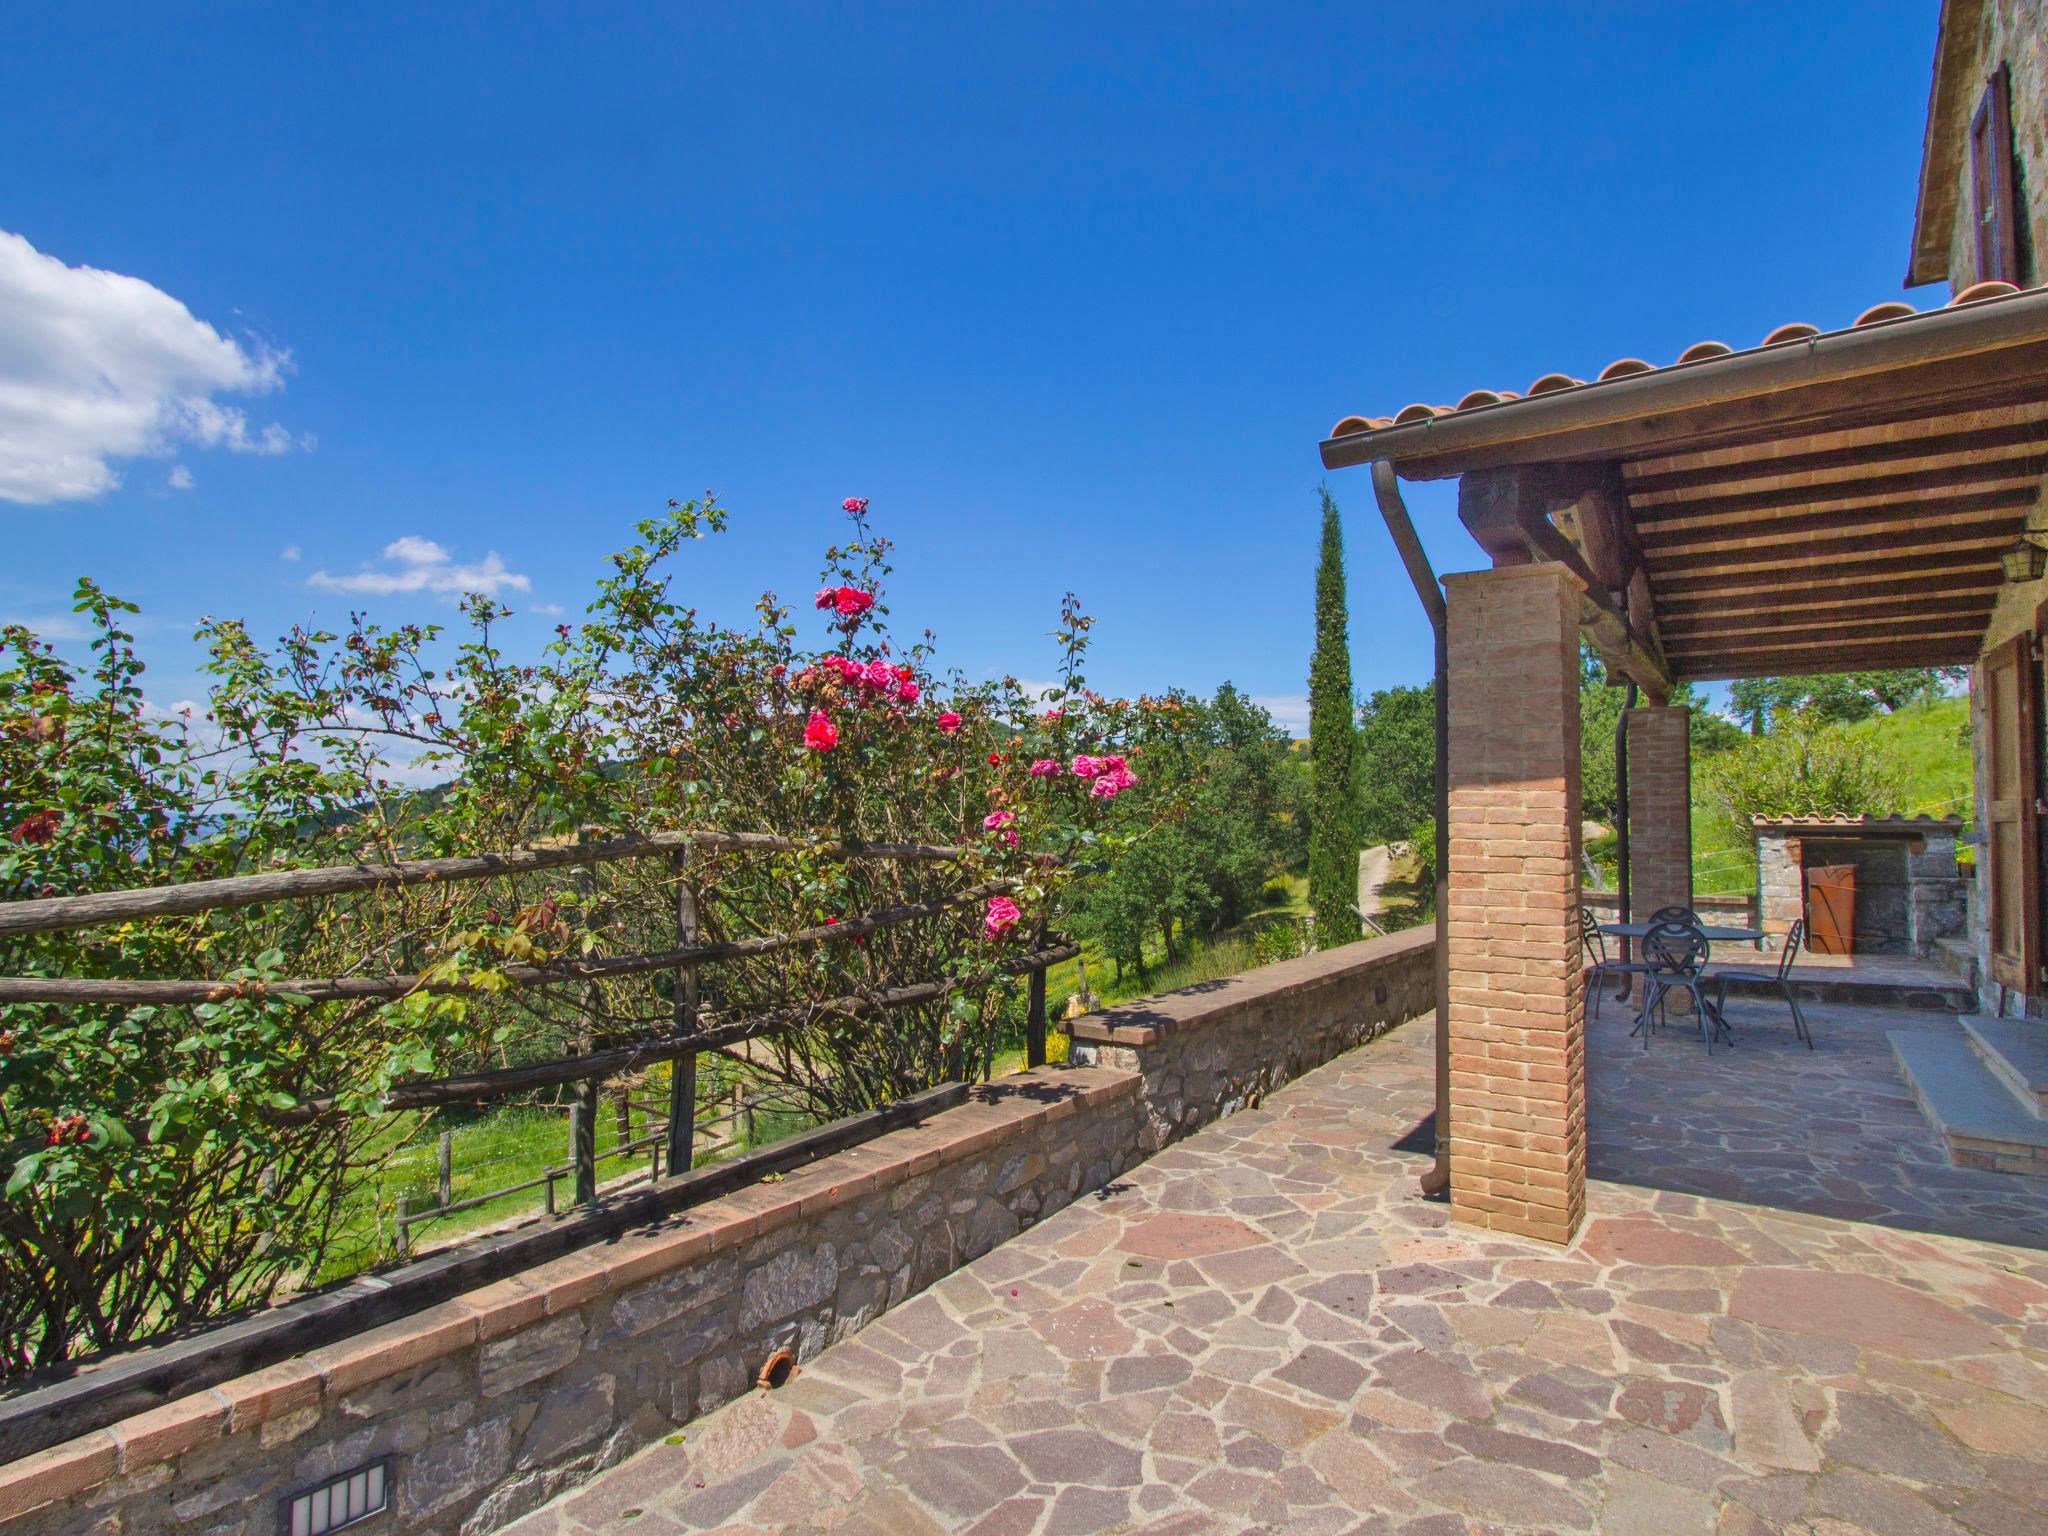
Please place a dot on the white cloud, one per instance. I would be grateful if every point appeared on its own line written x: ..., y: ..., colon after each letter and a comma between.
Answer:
x: 179, y: 479
x: 97, y: 367
x: 414, y: 564
x: 53, y: 626
x: 289, y: 552
x: 1289, y: 710
x: 552, y: 610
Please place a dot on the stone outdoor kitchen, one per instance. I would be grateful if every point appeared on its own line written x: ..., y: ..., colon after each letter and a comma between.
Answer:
x: 1417, y: 1234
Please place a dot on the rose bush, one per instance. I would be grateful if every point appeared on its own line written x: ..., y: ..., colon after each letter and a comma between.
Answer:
x: 149, y: 1180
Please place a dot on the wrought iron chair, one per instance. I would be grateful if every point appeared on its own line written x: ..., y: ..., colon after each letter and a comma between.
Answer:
x: 1594, y: 943
x: 1795, y: 938
x: 1684, y: 915
x: 1677, y: 953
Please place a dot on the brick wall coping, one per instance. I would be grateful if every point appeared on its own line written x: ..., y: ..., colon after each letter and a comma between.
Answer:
x: 1699, y: 903
x: 996, y: 1112
x: 1151, y: 1019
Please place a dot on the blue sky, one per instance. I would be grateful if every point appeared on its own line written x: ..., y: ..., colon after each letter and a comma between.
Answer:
x: 1070, y: 292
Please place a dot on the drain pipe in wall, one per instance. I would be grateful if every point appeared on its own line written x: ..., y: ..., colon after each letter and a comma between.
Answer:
x: 1387, y: 489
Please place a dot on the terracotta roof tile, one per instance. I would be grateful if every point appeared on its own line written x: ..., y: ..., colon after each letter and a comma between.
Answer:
x: 1844, y: 819
x: 1625, y: 367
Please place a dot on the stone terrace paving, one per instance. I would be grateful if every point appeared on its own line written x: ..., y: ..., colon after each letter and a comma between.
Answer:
x: 1786, y: 1312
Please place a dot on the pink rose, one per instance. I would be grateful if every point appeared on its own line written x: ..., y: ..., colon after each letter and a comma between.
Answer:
x: 851, y: 601
x: 878, y: 674
x: 907, y: 692
x: 1045, y: 767
x: 1109, y: 785
x: 826, y: 598
x: 1086, y: 767
x: 1002, y: 913
x: 855, y: 505
x: 996, y: 819
x: 1010, y: 838
x: 820, y: 734
x: 949, y: 722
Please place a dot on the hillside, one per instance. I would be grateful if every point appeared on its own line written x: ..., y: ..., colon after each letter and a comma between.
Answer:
x: 1929, y: 746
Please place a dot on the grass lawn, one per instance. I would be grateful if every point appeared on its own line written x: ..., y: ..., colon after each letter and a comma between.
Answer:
x: 493, y: 1148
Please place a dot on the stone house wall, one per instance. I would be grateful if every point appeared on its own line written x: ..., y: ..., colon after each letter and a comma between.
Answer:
x: 2013, y: 33
x: 491, y: 1402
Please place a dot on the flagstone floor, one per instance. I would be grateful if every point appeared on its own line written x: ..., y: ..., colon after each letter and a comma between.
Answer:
x: 1786, y: 1312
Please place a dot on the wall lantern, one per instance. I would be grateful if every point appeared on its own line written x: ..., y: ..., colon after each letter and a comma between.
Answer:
x: 2025, y: 561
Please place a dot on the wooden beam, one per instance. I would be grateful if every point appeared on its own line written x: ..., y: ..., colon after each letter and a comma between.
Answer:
x: 1935, y: 633
x: 1980, y: 537
x: 1925, y: 570
x: 1915, y: 437
x: 1800, y: 619
x: 1857, y: 523
x: 1899, y: 651
x: 1803, y: 616
x: 1799, y: 492
x: 1721, y: 669
x: 1508, y: 513
x: 1691, y: 606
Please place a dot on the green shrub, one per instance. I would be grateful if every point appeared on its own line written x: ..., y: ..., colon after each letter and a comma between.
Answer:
x: 1802, y: 769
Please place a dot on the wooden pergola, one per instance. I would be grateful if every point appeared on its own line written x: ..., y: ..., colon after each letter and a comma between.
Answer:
x: 1822, y: 502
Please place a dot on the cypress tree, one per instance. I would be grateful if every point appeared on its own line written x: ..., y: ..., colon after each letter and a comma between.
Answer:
x: 1333, y: 811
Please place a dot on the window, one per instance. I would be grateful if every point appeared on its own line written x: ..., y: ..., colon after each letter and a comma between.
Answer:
x: 1991, y: 182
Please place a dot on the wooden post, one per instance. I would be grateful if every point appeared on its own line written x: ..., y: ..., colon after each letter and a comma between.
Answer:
x: 1034, y: 1025
x: 583, y: 1146
x: 446, y: 1182
x: 583, y: 1111
x: 682, y: 1079
x: 622, y: 1117
x: 548, y: 1190
x: 404, y: 1220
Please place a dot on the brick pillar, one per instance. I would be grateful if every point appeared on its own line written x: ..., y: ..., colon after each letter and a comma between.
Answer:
x: 1659, y: 810
x: 1518, y: 1073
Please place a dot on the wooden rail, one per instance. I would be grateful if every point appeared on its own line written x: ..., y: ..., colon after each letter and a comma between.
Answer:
x: 503, y: 1082
x: 587, y: 1066
x: 82, y: 990
x: 57, y: 914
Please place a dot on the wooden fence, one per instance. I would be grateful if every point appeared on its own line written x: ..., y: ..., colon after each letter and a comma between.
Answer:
x: 691, y: 1031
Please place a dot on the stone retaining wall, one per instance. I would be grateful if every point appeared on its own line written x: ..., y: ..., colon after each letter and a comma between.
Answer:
x: 1210, y: 1049
x: 492, y: 1401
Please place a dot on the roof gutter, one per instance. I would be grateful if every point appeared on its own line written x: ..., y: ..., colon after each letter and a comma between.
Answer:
x: 1985, y: 325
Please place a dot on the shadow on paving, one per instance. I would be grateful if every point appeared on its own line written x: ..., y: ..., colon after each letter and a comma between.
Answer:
x: 1833, y: 1131
x: 1267, y: 1330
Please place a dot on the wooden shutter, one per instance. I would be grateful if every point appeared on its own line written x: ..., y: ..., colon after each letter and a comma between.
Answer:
x: 1991, y: 182
x: 2011, y: 779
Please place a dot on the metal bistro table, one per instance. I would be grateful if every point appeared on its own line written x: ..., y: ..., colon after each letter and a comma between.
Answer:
x: 1715, y: 934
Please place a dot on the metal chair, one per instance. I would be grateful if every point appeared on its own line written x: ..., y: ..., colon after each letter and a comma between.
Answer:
x: 1593, y: 942
x: 1677, y: 953
x: 1684, y: 915
x: 1781, y: 979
